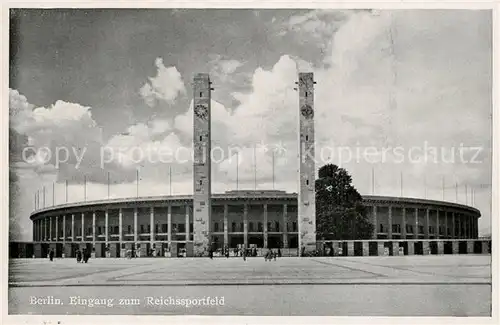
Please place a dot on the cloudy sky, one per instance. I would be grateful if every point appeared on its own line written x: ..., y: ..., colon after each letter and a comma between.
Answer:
x: 400, y: 95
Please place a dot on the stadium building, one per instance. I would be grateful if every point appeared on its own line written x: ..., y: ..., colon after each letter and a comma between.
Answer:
x: 191, y: 225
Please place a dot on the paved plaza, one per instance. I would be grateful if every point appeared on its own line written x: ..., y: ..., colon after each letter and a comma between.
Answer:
x: 458, y: 285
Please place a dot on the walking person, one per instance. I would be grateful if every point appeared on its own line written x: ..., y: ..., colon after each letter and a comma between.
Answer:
x: 244, y: 253
x: 51, y: 255
x: 78, y: 256
x: 279, y: 252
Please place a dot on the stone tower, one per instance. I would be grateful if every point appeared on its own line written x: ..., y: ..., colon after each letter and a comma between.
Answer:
x: 307, y: 166
x: 201, y: 164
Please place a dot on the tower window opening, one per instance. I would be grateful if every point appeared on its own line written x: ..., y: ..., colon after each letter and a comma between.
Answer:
x: 306, y: 94
x: 201, y: 183
x: 200, y: 138
x: 307, y: 182
x: 201, y: 94
x: 307, y: 138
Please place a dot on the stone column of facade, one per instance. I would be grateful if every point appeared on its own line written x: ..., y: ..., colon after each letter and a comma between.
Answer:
x: 453, y: 227
x: 187, y: 222
x: 106, y: 225
x: 285, y: 226
x: 411, y: 248
x: 438, y: 226
x: 202, y: 208
x: 426, y: 247
x: 57, y: 228
x: 484, y: 247
x: 415, y: 230
x: 245, y: 225
x: 94, y: 237
x: 374, y: 220
x: 64, y: 228
x: 83, y: 226
x: 50, y: 228
x: 380, y: 248
x: 366, y: 248
x: 226, y: 226
x: 470, y: 246
x: 350, y: 248
x: 169, y: 225
x: 265, y: 226
x: 73, y: 236
x: 306, y: 196
x: 120, y: 225
x: 389, y: 231
x: 403, y: 221
x: 440, y: 247
x: 454, y: 247
x: 395, y: 248
x: 426, y: 226
x: 135, y: 225
x: 152, y: 225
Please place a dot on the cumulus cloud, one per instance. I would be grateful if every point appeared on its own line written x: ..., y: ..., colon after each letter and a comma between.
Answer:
x: 167, y: 85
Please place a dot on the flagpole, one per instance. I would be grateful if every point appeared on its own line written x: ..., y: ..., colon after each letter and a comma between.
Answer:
x: 255, y: 167
x: 273, y: 169
x: 425, y: 187
x: 466, y: 195
x: 85, y: 188
x: 443, y: 188
x: 373, y: 181
x: 237, y: 163
x: 456, y: 192
x: 53, y: 193
x: 44, y: 196
x: 66, y: 191
x: 137, y: 183
x: 401, y: 175
x: 108, y: 187
x: 170, y: 179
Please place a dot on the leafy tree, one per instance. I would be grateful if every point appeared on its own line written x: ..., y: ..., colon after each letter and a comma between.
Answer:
x: 340, y: 213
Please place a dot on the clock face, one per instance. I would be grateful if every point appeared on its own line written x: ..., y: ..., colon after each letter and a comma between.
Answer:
x: 307, y: 111
x: 201, y: 112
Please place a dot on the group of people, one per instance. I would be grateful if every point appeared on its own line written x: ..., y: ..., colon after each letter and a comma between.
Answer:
x: 246, y: 252
x: 82, y: 256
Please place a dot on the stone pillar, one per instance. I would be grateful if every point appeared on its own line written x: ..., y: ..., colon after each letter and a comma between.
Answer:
x: 57, y: 228
x: 106, y: 225
x: 389, y: 231
x: 73, y: 236
x: 454, y: 247
x: 307, y: 195
x: 470, y: 247
x: 415, y: 230
x: 426, y: 226
x: 226, y: 226
x: 395, y: 248
x: 245, y: 225
x: 350, y: 248
x: 426, y: 248
x: 438, y: 226
x: 411, y: 248
x: 380, y: 248
x: 440, y: 247
x: 366, y: 248
x: 169, y: 225
x: 152, y: 225
x: 83, y: 226
x: 94, y: 237
x: 484, y: 247
x: 285, y: 226
x: 265, y: 226
x: 453, y: 227
x: 403, y: 226
x: 50, y: 229
x: 201, y: 163
x: 374, y: 221
x: 187, y: 222
x: 64, y: 228
x: 120, y: 225
x: 135, y: 225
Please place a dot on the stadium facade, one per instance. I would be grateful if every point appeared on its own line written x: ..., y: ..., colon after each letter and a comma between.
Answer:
x: 191, y: 225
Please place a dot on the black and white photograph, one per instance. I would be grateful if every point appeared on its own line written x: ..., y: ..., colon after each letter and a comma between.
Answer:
x: 250, y: 162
